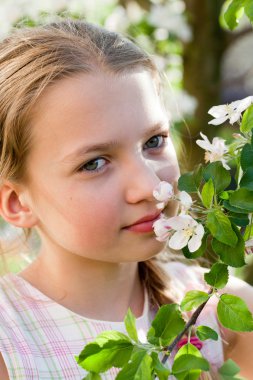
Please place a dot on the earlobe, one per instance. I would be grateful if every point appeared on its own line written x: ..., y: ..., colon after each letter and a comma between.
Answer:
x: 14, y: 209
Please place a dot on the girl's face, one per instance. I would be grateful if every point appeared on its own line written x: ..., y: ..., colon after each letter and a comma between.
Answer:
x: 100, y: 145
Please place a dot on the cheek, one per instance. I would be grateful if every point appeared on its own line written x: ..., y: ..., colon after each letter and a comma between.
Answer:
x: 170, y: 173
x: 98, y: 208
x: 170, y: 170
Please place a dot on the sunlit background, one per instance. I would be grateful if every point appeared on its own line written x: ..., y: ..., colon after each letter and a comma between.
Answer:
x: 202, y: 64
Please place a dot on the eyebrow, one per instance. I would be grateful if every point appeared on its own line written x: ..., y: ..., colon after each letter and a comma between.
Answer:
x: 161, y: 127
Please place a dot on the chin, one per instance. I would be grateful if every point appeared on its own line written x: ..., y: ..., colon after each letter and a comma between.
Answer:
x: 151, y: 252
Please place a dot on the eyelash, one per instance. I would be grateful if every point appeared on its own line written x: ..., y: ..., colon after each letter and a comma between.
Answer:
x: 163, y: 141
x: 98, y: 169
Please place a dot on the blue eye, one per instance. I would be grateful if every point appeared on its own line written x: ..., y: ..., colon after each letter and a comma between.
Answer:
x: 155, y: 142
x: 94, y: 165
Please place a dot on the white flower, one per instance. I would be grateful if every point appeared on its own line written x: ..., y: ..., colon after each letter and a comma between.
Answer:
x: 215, y: 150
x: 187, y: 232
x: 162, y: 229
x: 163, y: 191
x: 185, y: 201
x: 231, y: 112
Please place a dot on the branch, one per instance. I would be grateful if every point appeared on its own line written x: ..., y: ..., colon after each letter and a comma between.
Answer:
x: 190, y: 323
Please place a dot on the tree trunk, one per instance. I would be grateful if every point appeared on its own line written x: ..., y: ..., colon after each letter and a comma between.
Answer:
x: 202, y: 62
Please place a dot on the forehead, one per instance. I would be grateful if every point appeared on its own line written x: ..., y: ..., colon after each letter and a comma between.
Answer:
x: 88, y: 90
x: 88, y: 105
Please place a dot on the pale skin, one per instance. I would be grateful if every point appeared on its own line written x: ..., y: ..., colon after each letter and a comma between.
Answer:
x: 72, y: 182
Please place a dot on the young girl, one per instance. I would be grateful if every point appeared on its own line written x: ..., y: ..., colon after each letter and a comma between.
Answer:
x: 84, y: 141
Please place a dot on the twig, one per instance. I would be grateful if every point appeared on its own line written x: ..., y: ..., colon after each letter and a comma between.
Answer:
x: 190, y: 323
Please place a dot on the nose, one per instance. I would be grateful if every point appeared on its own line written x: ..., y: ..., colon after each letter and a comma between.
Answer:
x: 140, y: 181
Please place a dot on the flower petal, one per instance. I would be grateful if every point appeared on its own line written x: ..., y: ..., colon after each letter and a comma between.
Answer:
x: 178, y: 240
x: 218, y: 121
x: 199, y: 230
x: 163, y: 192
x: 180, y: 222
x: 185, y: 199
x: 162, y: 229
x: 224, y: 164
x: 218, y: 111
x: 204, y: 144
x: 194, y: 243
x: 244, y: 103
x: 235, y: 116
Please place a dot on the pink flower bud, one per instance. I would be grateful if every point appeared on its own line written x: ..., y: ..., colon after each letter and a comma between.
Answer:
x: 194, y: 340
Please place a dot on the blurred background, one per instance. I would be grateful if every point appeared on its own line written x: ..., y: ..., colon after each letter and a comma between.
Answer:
x: 201, y: 61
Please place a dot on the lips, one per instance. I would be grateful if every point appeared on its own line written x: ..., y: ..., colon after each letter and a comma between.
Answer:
x: 144, y: 224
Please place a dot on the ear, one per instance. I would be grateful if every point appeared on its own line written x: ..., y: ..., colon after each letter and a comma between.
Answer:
x: 14, y: 206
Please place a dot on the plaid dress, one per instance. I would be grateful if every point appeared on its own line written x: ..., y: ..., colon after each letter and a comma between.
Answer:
x: 39, y: 338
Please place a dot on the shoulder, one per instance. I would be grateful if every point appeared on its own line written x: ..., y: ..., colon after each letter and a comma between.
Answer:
x: 184, y: 277
x: 13, y: 303
x: 4, y: 321
x: 176, y: 268
x: 8, y: 294
x: 191, y: 277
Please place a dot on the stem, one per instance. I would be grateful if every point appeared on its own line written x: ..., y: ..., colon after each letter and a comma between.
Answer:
x: 249, y: 234
x: 190, y: 323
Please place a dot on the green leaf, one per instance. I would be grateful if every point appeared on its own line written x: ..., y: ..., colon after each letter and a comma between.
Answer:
x: 193, y: 299
x: 161, y: 371
x: 247, y: 179
x: 92, y: 376
x: 220, y: 176
x: 248, y: 8
x: 110, y: 349
x: 111, y: 335
x: 218, y: 276
x: 229, y: 368
x: 242, y: 199
x: 187, y: 183
x: 191, y: 350
x: 188, y: 349
x: 234, y: 13
x: 190, y: 181
x: 167, y: 324
x: 198, y: 174
x: 199, y: 252
x: 241, y: 220
x: 205, y: 332
x: 248, y: 232
x: 246, y: 157
x: 220, y: 227
x: 224, y: 195
x: 130, y: 323
x: 188, y: 362
x: 233, y: 256
x: 138, y: 368
x: 233, y: 313
x: 229, y: 207
x: 207, y: 193
x: 247, y: 119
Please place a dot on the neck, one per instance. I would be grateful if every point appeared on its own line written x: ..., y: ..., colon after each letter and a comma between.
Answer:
x: 93, y: 289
